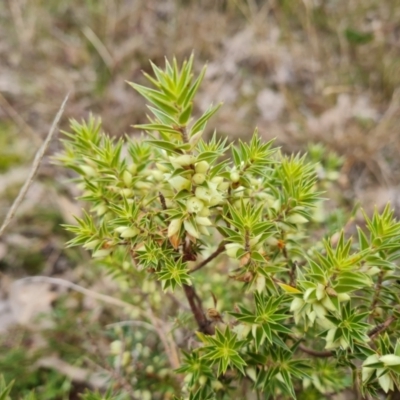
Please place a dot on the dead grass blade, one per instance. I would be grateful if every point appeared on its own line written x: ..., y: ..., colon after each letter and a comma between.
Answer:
x: 34, y: 169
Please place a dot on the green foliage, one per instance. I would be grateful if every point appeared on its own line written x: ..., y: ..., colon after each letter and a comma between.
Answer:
x: 164, y: 202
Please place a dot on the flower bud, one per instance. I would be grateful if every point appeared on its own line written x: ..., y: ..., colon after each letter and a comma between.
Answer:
x: 296, y: 219
x: 198, y: 179
x: 91, y: 245
x: 157, y: 175
x: 183, y: 160
x: 126, y: 192
x: 143, y: 185
x: 129, y: 232
x: 203, y: 229
x: 162, y: 167
x: 205, y: 212
x: 235, y: 177
x: 202, y: 380
x: 179, y: 183
x: 126, y: 358
x: 87, y: 170
x: 127, y: 178
x: 190, y: 229
x: 202, y: 167
x: 217, y: 180
x: 174, y: 227
x: 343, y: 297
x: 223, y: 186
x: 195, y: 139
x: 204, y: 221
x: 115, y: 347
x: 101, y: 253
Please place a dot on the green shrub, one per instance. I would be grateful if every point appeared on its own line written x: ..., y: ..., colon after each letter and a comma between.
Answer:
x: 303, y: 316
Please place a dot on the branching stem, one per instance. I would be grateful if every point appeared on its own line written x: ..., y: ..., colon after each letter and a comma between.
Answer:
x: 216, y: 253
x: 197, y: 310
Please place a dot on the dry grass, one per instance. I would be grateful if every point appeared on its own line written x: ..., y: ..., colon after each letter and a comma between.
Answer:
x: 300, y: 70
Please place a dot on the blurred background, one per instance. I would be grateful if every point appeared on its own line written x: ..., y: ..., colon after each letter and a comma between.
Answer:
x: 304, y: 72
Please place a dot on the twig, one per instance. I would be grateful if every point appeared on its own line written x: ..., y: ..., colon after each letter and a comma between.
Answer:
x: 380, y: 328
x: 168, y: 343
x: 77, y: 288
x: 197, y: 310
x: 34, y: 169
x: 216, y: 253
x: 76, y: 374
x: 315, y: 353
x: 372, y: 334
x: 162, y: 201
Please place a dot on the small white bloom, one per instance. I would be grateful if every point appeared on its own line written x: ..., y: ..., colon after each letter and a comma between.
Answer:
x: 203, y: 194
x: 194, y: 205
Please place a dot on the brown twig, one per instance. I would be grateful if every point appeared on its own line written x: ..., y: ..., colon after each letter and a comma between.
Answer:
x: 195, y: 305
x: 162, y: 201
x: 216, y: 253
x: 374, y: 332
x: 315, y: 353
x: 34, y: 169
x: 183, y: 131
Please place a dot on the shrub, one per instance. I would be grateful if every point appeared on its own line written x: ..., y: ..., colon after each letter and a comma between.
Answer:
x: 303, y: 316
